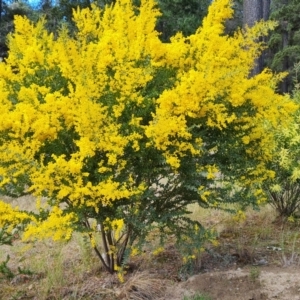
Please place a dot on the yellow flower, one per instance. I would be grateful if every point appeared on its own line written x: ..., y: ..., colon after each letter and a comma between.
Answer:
x: 276, y: 188
x: 240, y: 216
x: 246, y: 139
x: 158, y: 250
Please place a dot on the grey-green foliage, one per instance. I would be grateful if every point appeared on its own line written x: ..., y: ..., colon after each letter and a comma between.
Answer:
x: 284, y: 43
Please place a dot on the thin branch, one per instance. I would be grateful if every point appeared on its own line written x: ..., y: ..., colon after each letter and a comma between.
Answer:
x: 111, y: 271
x: 111, y: 244
x: 106, y: 266
x: 104, y: 241
x: 121, y: 251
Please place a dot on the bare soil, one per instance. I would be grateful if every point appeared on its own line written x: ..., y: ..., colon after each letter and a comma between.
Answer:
x: 272, y: 283
x: 260, y: 274
x: 164, y: 277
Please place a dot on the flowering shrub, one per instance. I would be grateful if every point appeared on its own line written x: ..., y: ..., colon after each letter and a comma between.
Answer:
x: 284, y: 190
x: 120, y: 132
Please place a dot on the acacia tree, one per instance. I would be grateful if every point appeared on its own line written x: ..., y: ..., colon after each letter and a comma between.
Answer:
x: 284, y: 189
x: 120, y: 132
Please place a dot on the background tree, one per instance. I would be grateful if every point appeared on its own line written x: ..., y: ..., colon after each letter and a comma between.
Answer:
x: 8, y: 9
x: 236, y: 21
x: 284, y: 42
x: 181, y: 16
x: 253, y: 12
x: 58, y: 13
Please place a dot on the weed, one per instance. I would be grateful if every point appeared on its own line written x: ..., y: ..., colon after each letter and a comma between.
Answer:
x: 197, y: 297
x: 5, y: 270
x: 293, y: 257
x: 142, y: 286
x: 254, y: 273
x: 7, y: 273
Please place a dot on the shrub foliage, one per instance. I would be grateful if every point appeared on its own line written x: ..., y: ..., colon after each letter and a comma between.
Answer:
x: 284, y: 189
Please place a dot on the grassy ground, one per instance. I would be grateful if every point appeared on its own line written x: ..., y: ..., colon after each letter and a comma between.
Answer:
x: 72, y: 271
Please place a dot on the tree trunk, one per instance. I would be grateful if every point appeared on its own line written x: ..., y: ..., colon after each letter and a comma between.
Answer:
x: 252, y: 11
x: 285, y: 43
x: 266, y: 9
x: 255, y: 11
x: 285, y: 63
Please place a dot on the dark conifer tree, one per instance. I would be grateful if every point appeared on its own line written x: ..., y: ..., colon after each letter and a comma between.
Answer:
x: 284, y: 42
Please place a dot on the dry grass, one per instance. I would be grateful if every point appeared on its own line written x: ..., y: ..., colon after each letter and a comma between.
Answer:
x: 142, y: 286
x: 61, y: 271
x: 72, y: 271
x: 26, y: 202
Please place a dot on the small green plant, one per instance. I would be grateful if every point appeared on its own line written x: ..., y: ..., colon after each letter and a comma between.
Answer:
x: 5, y: 269
x: 254, y: 273
x: 7, y: 273
x: 6, y: 238
x: 197, y: 297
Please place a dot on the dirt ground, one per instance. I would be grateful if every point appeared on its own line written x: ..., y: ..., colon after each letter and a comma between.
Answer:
x: 242, y: 267
x: 264, y: 274
x: 241, y: 284
x: 163, y: 279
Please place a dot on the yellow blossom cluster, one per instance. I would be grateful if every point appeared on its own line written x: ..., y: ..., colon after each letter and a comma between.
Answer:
x: 158, y: 250
x: 58, y: 226
x: 54, y: 88
x: 114, y: 225
x: 215, y: 91
x: 12, y: 217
